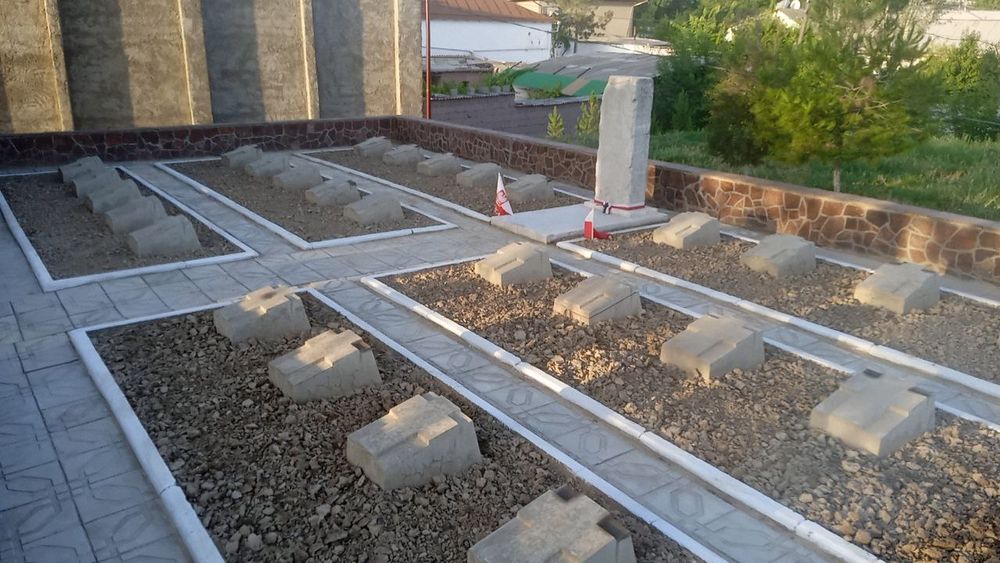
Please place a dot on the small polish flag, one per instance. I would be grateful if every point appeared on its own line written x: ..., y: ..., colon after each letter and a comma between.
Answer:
x: 502, y: 205
x: 589, y: 232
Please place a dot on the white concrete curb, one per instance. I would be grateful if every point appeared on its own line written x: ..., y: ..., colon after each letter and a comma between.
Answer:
x: 723, y: 482
x: 294, y: 239
x: 47, y: 283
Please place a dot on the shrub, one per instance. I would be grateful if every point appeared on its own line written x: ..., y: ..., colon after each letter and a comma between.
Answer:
x: 556, y: 128
x: 589, y: 123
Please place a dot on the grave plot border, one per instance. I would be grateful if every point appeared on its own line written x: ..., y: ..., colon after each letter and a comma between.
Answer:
x: 198, y: 542
x: 48, y: 284
x: 289, y: 236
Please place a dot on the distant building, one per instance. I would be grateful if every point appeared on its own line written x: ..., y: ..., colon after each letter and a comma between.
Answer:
x: 949, y: 28
x: 621, y: 26
x: 497, y: 30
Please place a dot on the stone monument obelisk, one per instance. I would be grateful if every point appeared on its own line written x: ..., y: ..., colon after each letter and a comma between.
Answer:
x: 623, y: 153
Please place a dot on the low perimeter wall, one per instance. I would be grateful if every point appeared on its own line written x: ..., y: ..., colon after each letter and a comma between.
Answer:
x: 944, y: 241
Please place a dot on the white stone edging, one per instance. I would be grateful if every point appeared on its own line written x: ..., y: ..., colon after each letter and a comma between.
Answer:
x: 291, y: 237
x: 728, y: 485
x: 48, y: 284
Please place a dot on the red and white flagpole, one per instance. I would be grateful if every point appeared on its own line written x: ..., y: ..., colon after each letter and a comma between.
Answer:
x: 502, y: 205
x: 589, y: 232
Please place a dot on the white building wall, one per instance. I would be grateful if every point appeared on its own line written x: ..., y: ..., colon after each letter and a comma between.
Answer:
x: 509, y: 42
x: 951, y: 25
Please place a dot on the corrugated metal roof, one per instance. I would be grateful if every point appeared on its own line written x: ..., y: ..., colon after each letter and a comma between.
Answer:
x: 499, y: 10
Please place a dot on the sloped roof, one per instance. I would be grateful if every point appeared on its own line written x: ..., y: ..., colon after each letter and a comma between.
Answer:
x: 497, y: 10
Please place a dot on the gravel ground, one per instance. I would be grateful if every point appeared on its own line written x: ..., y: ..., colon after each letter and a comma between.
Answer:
x: 444, y: 187
x: 78, y: 242
x: 945, y: 334
x: 269, y: 477
x: 936, y: 498
x: 289, y: 208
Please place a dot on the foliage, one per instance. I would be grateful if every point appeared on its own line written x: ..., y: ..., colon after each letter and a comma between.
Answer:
x: 730, y: 131
x: 647, y: 16
x: 555, y: 129
x: 576, y: 20
x: 970, y: 77
x: 507, y: 76
x: 554, y: 91
x: 681, y: 118
x: 589, y: 122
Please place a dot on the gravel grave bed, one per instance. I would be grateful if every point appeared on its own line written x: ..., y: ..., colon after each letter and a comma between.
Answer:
x: 72, y: 241
x: 937, y: 498
x: 269, y: 477
x: 444, y: 187
x: 947, y: 333
x: 289, y: 208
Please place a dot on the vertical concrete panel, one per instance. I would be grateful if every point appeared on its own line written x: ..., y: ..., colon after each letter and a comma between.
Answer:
x: 32, y: 74
x: 337, y: 32
x: 199, y: 94
x: 410, y: 62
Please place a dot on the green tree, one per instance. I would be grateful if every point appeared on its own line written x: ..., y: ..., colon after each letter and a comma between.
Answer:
x: 970, y: 77
x: 556, y: 128
x: 589, y: 123
x: 576, y: 20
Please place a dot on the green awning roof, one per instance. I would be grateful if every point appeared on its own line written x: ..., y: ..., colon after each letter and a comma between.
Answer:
x: 545, y: 81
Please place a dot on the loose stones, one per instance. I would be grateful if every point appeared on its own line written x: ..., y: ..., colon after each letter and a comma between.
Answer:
x: 598, y: 299
x: 533, y: 187
x: 267, y: 166
x: 560, y: 525
x: 327, y: 366
x: 376, y: 146
x: 374, y: 209
x: 781, y: 256
x: 269, y: 313
x: 334, y: 192
x: 302, y: 177
x: 418, y: 439
x: 875, y: 412
x: 135, y: 214
x: 479, y: 176
x: 900, y: 288
x: 712, y: 347
x: 94, y: 179
x: 688, y: 230
x: 69, y: 171
x: 439, y: 165
x: 112, y: 196
x: 623, y: 152
x: 169, y: 236
x: 403, y: 155
x: 514, y: 264
x: 242, y: 156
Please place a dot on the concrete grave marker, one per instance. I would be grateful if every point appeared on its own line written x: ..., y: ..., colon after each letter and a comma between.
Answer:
x: 302, y: 177
x: 403, y: 155
x: 688, y: 230
x: 135, y: 214
x: 482, y: 175
x: 598, y: 299
x: 418, y: 439
x: 875, y: 412
x: 533, y: 187
x: 561, y: 525
x: 327, y: 366
x: 94, y: 179
x: 376, y: 146
x: 623, y: 152
x: 170, y: 236
x: 781, y: 256
x: 374, y: 209
x: 269, y: 313
x: 439, y: 165
x: 900, y: 288
x: 237, y: 159
x: 517, y: 263
x: 68, y: 172
x: 334, y: 192
x: 112, y: 196
x: 712, y: 347
x: 267, y: 166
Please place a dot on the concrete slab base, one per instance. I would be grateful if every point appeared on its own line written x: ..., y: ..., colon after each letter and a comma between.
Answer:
x: 558, y: 223
x: 69, y: 171
x: 94, y: 179
x: 483, y: 175
x: 688, y: 230
x: 900, y: 288
x: 515, y: 264
x: 781, y: 256
x: 598, y: 299
x: 237, y: 159
x: 711, y: 347
x: 327, y: 366
x: 302, y: 177
x: 418, y: 439
x: 112, y: 196
x: 267, y: 166
x: 439, y: 165
x: 561, y: 525
x: 875, y: 412
x: 135, y: 214
x: 374, y: 209
x: 403, y: 155
x: 533, y: 187
x: 376, y: 146
x: 269, y: 313
x: 334, y: 192
x: 170, y: 236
